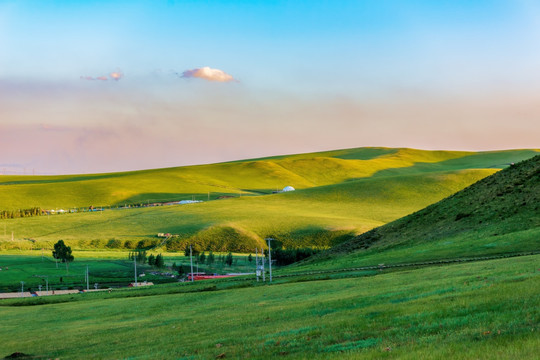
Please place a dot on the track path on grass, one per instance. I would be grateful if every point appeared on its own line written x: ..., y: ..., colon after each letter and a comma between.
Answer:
x: 416, y: 264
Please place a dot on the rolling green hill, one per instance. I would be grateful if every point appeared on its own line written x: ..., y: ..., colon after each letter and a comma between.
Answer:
x: 340, y: 194
x: 497, y: 215
x: 249, y: 176
x: 460, y: 311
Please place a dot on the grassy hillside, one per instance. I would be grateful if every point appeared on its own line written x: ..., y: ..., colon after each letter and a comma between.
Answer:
x: 340, y: 194
x: 467, y: 311
x: 312, y: 217
x: 498, y: 214
x: 250, y: 177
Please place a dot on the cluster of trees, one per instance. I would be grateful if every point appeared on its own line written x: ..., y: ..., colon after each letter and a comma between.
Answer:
x: 156, y: 261
x: 12, y: 214
x: 209, y: 259
x: 142, y: 258
x: 139, y: 256
x: 288, y: 256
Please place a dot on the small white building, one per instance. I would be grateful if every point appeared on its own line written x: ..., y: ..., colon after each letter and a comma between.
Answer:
x: 287, y: 189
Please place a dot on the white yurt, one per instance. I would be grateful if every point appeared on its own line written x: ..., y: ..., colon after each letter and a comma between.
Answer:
x: 288, y: 188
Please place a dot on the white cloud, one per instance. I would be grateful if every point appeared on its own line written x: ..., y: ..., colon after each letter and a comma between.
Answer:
x: 207, y: 73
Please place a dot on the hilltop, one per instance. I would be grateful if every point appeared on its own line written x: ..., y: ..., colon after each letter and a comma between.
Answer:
x: 499, y: 214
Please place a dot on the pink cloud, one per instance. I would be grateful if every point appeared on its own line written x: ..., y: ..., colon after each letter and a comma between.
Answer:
x: 115, y: 75
x: 209, y: 74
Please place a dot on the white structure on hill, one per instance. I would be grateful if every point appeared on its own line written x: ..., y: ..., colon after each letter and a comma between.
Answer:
x: 288, y: 188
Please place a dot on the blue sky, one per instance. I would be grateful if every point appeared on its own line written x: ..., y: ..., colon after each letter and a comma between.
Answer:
x: 334, y: 74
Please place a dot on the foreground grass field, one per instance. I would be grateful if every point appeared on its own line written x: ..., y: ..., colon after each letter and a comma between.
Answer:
x: 478, y: 310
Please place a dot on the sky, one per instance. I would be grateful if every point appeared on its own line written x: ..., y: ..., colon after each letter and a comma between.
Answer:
x: 102, y: 86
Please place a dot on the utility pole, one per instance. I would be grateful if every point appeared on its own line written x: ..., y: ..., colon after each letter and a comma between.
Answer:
x: 87, y: 279
x: 22, y: 288
x: 270, y: 257
x: 257, y: 263
x: 46, y: 278
x: 191, y: 261
x: 262, y: 265
x: 135, y: 264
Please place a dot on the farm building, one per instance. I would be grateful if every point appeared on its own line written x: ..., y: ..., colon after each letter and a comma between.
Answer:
x: 287, y: 189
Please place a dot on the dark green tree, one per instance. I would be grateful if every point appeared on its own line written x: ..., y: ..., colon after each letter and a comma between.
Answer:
x: 250, y: 258
x: 211, y: 258
x: 177, y: 268
x: 159, y: 262
x: 202, y: 258
x: 151, y: 260
x: 63, y: 252
x: 229, y: 259
x: 141, y: 256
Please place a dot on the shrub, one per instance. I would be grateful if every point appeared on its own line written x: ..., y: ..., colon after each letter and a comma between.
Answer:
x: 114, y: 244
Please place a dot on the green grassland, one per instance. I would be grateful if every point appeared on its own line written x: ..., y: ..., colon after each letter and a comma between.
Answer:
x: 466, y: 311
x: 340, y: 194
x: 107, y: 268
x: 249, y: 176
x: 312, y: 217
x: 497, y: 215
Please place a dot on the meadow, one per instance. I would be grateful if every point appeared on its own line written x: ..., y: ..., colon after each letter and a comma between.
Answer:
x: 460, y: 311
x: 319, y: 308
x: 340, y: 195
x: 106, y: 268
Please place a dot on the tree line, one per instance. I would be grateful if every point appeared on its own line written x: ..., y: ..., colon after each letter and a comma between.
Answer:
x: 20, y: 213
x: 282, y: 257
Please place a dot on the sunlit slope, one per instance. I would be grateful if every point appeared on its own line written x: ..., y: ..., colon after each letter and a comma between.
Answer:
x: 497, y: 215
x: 321, y: 216
x: 255, y: 176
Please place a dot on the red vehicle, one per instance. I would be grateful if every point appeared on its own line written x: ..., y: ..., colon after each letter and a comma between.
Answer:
x: 204, y: 276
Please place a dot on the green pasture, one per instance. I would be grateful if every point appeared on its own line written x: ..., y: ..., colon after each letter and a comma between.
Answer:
x: 467, y: 311
x: 496, y: 215
x: 320, y: 216
x: 234, y: 178
x: 17, y: 268
x: 107, y: 268
x: 340, y: 194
